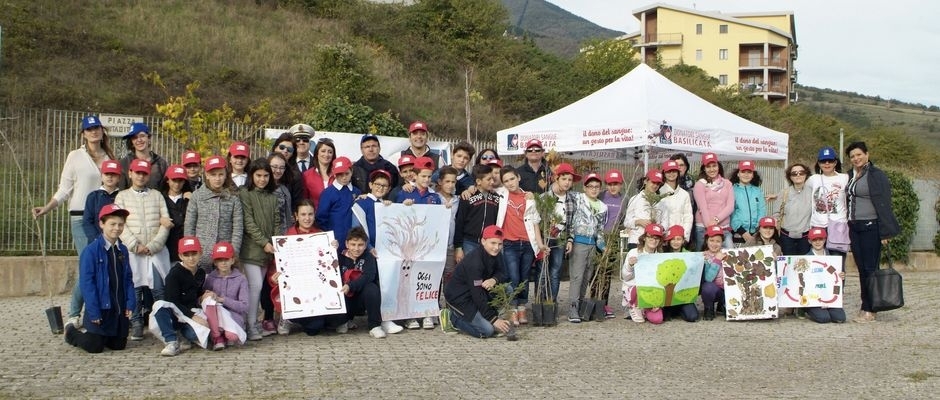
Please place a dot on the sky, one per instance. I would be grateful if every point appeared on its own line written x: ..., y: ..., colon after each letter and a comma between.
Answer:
x: 856, y: 46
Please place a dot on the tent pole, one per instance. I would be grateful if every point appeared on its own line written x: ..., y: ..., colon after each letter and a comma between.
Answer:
x: 646, y: 159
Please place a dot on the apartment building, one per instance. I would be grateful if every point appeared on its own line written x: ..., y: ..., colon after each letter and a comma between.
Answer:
x: 754, y: 51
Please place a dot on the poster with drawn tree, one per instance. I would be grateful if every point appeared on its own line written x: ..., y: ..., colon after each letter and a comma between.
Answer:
x: 810, y: 281
x: 750, y: 283
x: 668, y: 279
x: 411, y: 242
x: 308, y: 277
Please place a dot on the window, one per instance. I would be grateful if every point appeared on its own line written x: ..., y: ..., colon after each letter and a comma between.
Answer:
x: 723, y: 28
x: 698, y: 55
x: 698, y: 29
x: 722, y: 80
x: 722, y: 54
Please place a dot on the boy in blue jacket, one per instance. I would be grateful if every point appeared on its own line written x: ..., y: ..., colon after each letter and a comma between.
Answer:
x: 105, y: 280
x: 336, y: 202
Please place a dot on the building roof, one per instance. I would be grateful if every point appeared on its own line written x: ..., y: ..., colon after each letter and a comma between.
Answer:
x: 726, y: 17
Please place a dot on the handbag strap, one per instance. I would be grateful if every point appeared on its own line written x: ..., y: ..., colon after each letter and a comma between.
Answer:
x: 887, y: 251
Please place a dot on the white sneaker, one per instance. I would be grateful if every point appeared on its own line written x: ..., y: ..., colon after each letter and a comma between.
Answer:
x: 343, y: 328
x: 636, y: 314
x: 185, y: 344
x: 428, y: 323
x: 283, y: 327
x: 378, y: 332
x: 413, y: 324
x: 254, y: 335
x: 75, y: 321
x: 391, y: 327
x: 171, y: 349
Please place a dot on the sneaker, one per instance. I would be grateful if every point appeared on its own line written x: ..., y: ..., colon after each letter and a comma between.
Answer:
x: 521, y: 315
x: 391, y: 327
x: 428, y: 323
x: 637, y: 315
x: 609, y: 312
x: 230, y: 343
x: 800, y: 313
x: 137, y: 331
x: 185, y: 344
x: 514, y: 318
x: 283, y: 327
x: 268, y: 327
x: 573, y: 316
x: 171, y: 349
x: 413, y: 324
x: 254, y: 335
x: 67, y: 331
x: 377, y: 332
x: 220, y: 345
x: 76, y: 322
x: 446, y: 324
x: 342, y: 328
x: 351, y: 325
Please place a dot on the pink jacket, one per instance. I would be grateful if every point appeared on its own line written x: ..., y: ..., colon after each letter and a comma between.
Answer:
x: 713, y: 202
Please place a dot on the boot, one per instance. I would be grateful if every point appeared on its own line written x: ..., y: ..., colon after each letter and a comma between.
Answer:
x: 720, y: 308
x: 709, y: 312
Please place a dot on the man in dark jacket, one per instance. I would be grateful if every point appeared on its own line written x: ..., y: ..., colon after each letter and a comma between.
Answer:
x: 371, y: 161
x: 468, y: 293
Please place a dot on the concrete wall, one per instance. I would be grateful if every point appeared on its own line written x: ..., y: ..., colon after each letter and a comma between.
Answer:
x: 25, y: 276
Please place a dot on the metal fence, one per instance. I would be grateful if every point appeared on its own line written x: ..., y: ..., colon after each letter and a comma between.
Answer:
x: 40, y: 140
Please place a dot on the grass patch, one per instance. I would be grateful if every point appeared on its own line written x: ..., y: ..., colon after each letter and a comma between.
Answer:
x: 920, y: 376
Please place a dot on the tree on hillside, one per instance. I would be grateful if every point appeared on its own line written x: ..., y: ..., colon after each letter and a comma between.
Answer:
x: 602, y: 62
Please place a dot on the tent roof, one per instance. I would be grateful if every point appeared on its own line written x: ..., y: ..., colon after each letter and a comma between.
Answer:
x: 645, y: 108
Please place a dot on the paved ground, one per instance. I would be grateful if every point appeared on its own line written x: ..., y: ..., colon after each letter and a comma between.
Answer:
x: 896, y: 357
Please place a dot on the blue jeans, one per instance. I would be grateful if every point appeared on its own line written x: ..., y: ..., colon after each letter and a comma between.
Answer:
x: 726, y: 244
x: 168, y: 324
x: 80, y: 242
x: 478, y: 327
x: 518, y: 257
x: 469, y: 246
x: 793, y: 247
x: 146, y: 296
x: 866, y: 248
x: 825, y: 315
x: 555, y: 261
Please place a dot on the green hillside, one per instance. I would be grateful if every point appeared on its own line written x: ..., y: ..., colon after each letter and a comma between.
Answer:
x: 554, y: 29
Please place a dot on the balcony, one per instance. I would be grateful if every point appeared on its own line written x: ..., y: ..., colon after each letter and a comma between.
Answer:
x: 659, y: 39
x: 760, y: 89
x: 746, y: 63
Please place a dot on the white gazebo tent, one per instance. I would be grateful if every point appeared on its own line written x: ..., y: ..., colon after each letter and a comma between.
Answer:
x: 645, y: 110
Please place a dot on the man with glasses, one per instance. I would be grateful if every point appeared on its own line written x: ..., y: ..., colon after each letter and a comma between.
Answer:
x: 301, y: 134
x: 370, y: 162
x: 534, y: 173
x: 418, y: 136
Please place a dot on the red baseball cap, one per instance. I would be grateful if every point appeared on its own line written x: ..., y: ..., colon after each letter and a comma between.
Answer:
x: 188, y: 244
x: 191, y: 157
x: 654, y: 176
x: 746, y: 165
x: 176, y: 171
x: 141, y: 166
x: 592, y: 176
x: 341, y: 165
x: 675, y: 231
x: 214, y: 162
x: 405, y: 160
x: 492, y: 232
x: 565, y: 168
x: 380, y: 172
x: 817, y: 233
x: 239, y: 149
x: 709, y: 158
x: 670, y: 165
x: 222, y: 250
x: 613, y: 176
x: 495, y: 162
x: 654, y: 230
x: 112, y: 209
x: 533, y: 143
x: 714, y: 230
x: 424, y: 163
x: 417, y: 126
x: 767, y: 222
x: 111, y: 167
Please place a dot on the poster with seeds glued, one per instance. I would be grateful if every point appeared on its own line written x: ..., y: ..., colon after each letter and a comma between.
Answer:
x: 809, y: 281
x: 750, y: 280
x: 309, y: 281
x: 411, y: 242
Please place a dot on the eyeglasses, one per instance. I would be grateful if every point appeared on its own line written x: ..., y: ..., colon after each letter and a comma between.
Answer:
x: 488, y: 157
x: 592, y: 186
x: 827, y: 161
x: 288, y: 149
x: 380, y: 185
x: 533, y: 151
x: 302, y: 140
x: 797, y: 173
x: 278, y: 168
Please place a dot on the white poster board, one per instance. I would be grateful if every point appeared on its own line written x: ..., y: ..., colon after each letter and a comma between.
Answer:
x: 309, y: 280
x: 810, y: 281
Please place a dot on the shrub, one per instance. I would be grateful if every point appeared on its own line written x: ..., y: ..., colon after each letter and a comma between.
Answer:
x: 905, y: 203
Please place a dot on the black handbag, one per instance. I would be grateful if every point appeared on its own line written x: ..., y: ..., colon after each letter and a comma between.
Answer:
x: 885, y: 289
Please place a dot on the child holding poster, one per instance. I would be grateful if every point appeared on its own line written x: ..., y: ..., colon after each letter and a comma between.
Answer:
x: 675, y: 243
x: 649, y: 243
x: 423, y: 194
x: 713, y: 284
x: 360, y: 274
x: 822, y: 315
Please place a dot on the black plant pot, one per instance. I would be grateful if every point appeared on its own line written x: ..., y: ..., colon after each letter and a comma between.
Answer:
x: 586, y: 309
x: 537, y: 314
x: 549, y: 315
x: 599, y: 314
x: 54, y: 315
